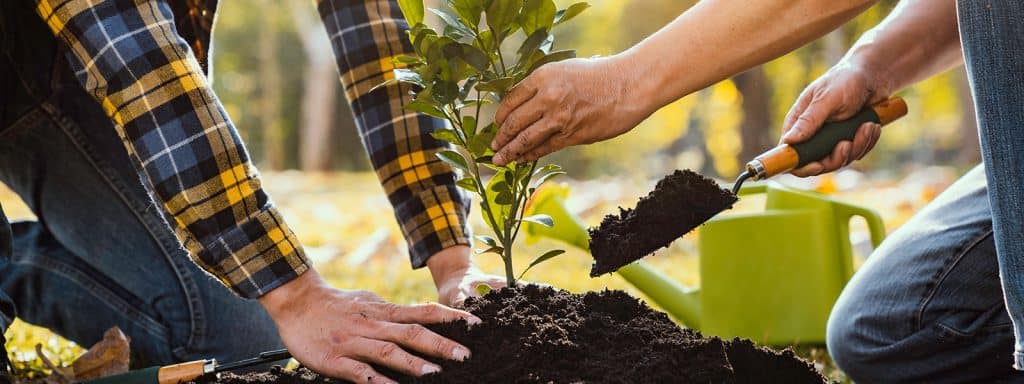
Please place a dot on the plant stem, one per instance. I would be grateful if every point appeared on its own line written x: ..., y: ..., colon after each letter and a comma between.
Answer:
x: 526, y: 197
x: 475, y: 174
x: 510, y: 277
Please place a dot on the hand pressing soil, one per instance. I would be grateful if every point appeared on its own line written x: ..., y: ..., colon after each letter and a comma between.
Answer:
x: 537, y: 334
x: 679, y: 203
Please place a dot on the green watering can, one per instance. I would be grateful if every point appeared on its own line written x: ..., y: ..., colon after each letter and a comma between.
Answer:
x: 769, y: 276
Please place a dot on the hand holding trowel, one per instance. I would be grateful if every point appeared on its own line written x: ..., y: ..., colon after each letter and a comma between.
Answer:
x: 684, y: 200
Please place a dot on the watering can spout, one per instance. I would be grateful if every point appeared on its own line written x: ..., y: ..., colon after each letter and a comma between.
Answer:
x: 680, y: 301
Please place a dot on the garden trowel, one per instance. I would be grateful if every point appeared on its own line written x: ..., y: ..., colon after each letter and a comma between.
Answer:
x: 684, y: 200
x: 188, y: 371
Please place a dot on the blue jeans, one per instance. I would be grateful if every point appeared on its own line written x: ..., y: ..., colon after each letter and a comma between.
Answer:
x: 929, y: 305
x: 993, y: 40
x: 101, y: 253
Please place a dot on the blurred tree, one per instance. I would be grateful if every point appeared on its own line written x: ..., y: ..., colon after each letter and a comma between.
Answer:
x: 756, y: 128
x: 270, y: 91
x: 320, y: 90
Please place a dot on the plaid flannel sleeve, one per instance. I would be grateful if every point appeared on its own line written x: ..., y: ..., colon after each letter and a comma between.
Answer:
x: 431, y: 210
x: 128, y: 55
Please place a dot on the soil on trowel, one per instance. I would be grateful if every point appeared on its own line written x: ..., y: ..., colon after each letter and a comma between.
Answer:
x: 679, y: 203
x: 542, y: 335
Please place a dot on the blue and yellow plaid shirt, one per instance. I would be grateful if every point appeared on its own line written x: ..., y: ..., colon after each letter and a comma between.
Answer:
x: 129, y: 55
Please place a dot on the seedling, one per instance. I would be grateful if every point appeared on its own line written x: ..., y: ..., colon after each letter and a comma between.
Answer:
x: 469, y: 64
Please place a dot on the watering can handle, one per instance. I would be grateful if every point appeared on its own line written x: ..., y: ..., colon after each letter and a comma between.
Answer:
x: 844, y: 212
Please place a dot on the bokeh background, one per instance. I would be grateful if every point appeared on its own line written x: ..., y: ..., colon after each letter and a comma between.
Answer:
x: 274, y: 71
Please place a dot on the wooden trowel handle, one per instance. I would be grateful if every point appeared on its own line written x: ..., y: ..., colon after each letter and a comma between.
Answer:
x: 181, y: 373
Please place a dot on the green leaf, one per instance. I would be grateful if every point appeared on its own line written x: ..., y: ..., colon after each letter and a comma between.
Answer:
x: 485, y: 41
x: 553, y: 57
x: 500, y: 16
x: 419, y: 35
x: 537, y: 15
x: 483, y: 289
x: 425, y: 108
x: 523, y: 174
x: 495, y: 250
x: 453, y: 33
x: 547, y: 168
x: 545, y: 173
x: 500, y: 187
x: 487, y: 240
x: 406, y: 59
x: 546, y: 177
x: 468, y: 184
x: 468, y: 126
x: 408, y: 76
x: 533, y: 42
x: 413, y: 10
x: 454, y: 159
x: 541, y: 219
x: 448, y: 135
x: 453, y: 22
x: 468, y: 10
x: 571, y: 12
x: 502, y: 195
x: 475, y: 57
x: 499, y: 86
x: 480, y: 145
x: 445, y: 91
x: 545, y: 257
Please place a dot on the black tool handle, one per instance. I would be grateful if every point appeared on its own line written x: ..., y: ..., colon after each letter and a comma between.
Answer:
x: 824, y: 142
x: 821, y: 144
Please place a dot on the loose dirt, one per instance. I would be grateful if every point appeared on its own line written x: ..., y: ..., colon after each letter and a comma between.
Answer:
x: 543, y: 335
x: 679, y: 203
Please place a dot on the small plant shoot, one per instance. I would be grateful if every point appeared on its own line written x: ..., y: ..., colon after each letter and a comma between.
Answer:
x: 484, y: 49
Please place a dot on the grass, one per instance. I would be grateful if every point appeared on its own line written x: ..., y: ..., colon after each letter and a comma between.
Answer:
x: 346, y: 224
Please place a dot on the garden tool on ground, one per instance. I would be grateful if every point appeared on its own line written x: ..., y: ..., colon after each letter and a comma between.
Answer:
x: 185, y: 372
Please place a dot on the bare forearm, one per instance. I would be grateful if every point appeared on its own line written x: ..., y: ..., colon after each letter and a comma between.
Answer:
x: 917, y: 40
x: 717, y: 39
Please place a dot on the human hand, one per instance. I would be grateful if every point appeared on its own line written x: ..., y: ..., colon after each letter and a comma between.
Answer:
x: 340, y: 333
x: 578, y: 101
x: 837, y: 95
x: 455, y: 276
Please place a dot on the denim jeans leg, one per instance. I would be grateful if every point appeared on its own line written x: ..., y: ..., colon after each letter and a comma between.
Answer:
x: 992, y: 35
x: 927, y: 305
x: 101, y: 253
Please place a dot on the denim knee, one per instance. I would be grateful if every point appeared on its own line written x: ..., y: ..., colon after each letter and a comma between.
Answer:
x: 845, y: 343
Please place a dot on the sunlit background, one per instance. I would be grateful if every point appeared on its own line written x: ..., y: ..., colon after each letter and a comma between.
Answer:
x: 275, y: 73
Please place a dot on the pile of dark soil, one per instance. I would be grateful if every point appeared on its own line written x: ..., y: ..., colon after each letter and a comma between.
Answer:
x: 679, y: 203
x: 542, y: 335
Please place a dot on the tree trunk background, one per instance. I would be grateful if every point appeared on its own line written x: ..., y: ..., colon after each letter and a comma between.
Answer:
x: 755, y: 130
x: 319, y: 93
x: 270, y: 94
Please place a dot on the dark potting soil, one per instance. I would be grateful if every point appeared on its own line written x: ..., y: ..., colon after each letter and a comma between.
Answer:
x: 679, y: 203
x: 542, y: 335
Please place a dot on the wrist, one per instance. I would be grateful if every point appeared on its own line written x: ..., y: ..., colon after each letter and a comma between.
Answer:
x: 448, y: 262
x: 283, y: 300
x: 644, y: 92
x: 875, y: 62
